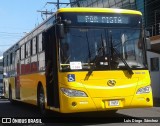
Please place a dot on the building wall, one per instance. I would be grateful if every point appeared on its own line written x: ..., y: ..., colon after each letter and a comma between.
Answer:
x: 140, y: 5
x: 153, y: 16
x: 125, y: 4
x: 155, y: 73
x: 105, y: 3
x: 1, y: 72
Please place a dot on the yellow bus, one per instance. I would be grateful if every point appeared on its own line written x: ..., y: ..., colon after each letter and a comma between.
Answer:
x: 81, y: 60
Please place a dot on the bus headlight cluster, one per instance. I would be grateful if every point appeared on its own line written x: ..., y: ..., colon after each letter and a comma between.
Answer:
x: 73, y: 93
x: 143, y: 90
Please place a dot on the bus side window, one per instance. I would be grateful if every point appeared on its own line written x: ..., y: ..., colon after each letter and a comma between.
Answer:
x: 16, y: 58
x: 28, y: 49
x: 34, y: 46
x: 40, y: 43
x: 22, y: 52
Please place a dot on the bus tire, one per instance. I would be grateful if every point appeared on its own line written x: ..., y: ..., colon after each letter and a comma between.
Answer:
x: 41, y: 100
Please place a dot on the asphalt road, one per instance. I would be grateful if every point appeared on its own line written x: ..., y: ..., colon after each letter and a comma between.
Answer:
x: 126, y: 117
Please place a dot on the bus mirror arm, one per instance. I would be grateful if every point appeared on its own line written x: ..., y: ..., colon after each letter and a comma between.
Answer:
x: 147, y: 41
x: 148, y: 44
x: 60, y: 30
x: 60, y: 26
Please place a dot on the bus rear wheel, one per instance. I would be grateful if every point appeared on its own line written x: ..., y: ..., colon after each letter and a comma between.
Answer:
x: 41, y: 100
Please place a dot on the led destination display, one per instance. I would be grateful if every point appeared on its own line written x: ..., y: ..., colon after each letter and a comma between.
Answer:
x: 103, y: 19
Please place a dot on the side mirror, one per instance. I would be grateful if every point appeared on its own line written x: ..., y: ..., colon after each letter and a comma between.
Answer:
x: 148, y: 44
x: 147, y: 33
x: 60, y: 30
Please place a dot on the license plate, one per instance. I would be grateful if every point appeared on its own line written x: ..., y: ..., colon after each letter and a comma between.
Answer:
x: 114, y: 103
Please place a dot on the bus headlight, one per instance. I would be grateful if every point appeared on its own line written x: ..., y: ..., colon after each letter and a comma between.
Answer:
x: 73, y: 93
x: 143, y: 90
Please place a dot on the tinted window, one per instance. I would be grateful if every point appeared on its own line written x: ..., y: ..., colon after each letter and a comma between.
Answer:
x: 22, y: 52
x: 34, y: 46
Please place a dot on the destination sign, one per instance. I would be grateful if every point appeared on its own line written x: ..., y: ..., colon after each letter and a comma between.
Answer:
x: 103, y: 19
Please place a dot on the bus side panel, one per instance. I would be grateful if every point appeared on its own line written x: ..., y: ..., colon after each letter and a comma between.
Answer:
x: 29, y: 85
x: 9, y: 82
x: 12, y: 83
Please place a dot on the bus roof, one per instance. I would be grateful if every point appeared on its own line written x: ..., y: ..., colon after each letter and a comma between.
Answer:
x: 105, y: 10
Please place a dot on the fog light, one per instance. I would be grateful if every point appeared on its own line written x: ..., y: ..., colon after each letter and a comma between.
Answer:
x: 147, y: 99
x: 74, y: 103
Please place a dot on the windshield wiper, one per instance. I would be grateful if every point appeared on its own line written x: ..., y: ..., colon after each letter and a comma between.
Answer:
x: 115, y: 51
x: 89, y: 50
x: 101, y: 49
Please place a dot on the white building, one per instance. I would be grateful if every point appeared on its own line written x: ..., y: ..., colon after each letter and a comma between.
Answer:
x: 154, y: 67
x: 153, y: 58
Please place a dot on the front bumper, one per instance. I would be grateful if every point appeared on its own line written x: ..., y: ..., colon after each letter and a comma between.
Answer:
x: 86, y: 104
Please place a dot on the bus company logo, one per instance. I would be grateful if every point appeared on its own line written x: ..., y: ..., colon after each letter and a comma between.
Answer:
x: 6, y: 120
x: 111, y: 83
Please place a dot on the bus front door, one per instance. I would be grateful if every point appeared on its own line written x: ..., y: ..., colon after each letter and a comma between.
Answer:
x: 52, y: 69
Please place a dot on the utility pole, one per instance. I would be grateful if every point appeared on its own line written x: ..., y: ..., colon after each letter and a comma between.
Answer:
x: 57, y: 3
x: 45, y: 13
x: 58, y: 6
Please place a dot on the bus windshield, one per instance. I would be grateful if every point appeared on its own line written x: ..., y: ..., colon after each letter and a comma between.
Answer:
x: 102, y: 48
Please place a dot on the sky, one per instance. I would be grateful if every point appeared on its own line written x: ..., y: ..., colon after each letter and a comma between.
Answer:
x: 18, y: 17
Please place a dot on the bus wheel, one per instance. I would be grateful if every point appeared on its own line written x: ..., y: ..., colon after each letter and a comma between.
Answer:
x: 41, y: 100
